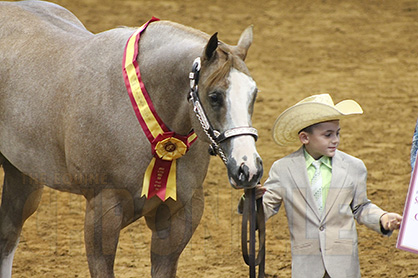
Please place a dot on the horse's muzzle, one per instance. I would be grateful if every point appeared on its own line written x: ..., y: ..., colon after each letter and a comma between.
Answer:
x: 245, y: 175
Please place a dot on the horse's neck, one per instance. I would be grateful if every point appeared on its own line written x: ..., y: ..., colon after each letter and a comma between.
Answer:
x: 165, y: 58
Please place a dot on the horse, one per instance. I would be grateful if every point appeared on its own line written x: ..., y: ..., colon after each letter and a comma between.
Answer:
x: 67, y: 121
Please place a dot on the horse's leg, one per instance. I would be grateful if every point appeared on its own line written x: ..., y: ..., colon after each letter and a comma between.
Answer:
x: 105, y: 215
x: 171, y: 233
x: 20, y: 199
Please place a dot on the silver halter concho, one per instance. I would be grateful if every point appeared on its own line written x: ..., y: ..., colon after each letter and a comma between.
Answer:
x: 215, y: 136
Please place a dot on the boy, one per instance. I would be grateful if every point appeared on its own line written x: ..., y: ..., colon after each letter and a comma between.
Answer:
x: 321, y: 205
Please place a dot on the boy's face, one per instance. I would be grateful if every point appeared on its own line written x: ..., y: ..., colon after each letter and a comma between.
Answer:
x: 323, y: 140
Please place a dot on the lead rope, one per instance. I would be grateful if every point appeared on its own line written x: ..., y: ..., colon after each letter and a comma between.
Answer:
x: 255, y: 219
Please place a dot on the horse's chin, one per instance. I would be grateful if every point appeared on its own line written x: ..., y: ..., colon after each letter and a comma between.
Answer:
x: 233, y: 184
x: 241, y: 186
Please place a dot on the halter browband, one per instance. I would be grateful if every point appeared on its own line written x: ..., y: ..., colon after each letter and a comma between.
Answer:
x: 214, y: 135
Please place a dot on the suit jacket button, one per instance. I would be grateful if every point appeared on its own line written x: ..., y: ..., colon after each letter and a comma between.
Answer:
x: 321, y: 228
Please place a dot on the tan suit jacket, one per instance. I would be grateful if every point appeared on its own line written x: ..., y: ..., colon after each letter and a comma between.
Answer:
x: 324, y: 242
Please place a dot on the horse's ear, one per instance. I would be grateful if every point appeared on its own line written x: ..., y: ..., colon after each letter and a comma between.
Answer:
x: 211, y: 46
x: 244, y: 42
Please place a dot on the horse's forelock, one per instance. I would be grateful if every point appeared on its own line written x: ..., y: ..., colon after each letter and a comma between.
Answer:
x: 227, y: 60
x: 221, y: 72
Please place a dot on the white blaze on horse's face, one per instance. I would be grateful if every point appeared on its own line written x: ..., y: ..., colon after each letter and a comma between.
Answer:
x: 244, y: 163
x: 240, y: 96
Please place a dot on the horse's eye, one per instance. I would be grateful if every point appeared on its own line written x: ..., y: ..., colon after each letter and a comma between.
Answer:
x: 215, y: 98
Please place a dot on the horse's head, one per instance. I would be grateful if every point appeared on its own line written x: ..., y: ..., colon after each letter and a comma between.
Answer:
x: 224, y: 105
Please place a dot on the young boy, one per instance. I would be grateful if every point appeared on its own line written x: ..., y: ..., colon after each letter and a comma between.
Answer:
x: 321, y: 205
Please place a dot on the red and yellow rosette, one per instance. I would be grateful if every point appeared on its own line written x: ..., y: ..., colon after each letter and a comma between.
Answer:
x: 166, y: 146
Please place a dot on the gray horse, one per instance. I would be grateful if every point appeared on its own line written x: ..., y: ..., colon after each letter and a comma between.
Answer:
x: 67, y: 122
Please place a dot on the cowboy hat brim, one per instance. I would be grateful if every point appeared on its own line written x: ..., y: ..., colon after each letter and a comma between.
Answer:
x: 303, y: 114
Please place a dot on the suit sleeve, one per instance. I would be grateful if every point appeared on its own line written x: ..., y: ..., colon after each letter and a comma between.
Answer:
x: 365, y: 212
x: 272, y: 198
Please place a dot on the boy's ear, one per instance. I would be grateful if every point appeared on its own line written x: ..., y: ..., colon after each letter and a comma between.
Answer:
x: 304, y: 137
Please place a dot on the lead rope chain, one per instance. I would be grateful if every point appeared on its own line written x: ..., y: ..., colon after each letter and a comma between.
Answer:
x: 214, y: 144
x: 200, y: 114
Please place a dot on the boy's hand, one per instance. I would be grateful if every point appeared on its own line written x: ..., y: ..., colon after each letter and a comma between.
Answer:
x: 259, y: 191
x: 391, y: 221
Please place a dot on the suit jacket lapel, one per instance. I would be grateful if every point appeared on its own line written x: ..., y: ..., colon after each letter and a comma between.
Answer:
x: 297, y: 169
x: 339, y: 174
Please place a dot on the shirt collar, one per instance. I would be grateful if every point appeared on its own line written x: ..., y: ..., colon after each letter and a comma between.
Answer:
x: 324, y: 159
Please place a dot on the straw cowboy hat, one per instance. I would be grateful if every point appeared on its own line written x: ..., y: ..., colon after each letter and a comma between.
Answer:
x: 309, y: 111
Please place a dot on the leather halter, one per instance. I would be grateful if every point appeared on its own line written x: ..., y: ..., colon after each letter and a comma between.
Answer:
x: 215, y: 136
x: 249, y: 215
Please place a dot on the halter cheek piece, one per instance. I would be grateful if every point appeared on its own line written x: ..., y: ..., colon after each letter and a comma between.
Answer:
x: 215, y: 136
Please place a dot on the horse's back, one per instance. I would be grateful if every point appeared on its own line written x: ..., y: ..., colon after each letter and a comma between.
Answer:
x: 16, y: 17
x: 40, y: 55
x: 36, y: 32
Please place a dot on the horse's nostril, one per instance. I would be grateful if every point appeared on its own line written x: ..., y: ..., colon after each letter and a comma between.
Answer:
x: 244, y: 172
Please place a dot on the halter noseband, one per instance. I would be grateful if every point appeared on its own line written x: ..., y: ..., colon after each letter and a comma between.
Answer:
x: 215, y: 136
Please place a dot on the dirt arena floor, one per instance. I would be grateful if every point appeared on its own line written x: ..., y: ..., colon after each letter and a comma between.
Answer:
x: 364, y: 50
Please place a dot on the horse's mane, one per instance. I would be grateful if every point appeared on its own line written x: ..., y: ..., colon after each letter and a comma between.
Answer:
x: 224, y: 53
x: 226, y: 58
x: 186, y: 29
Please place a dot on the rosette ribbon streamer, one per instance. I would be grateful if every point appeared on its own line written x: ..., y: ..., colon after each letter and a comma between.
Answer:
x: 166, y: 146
